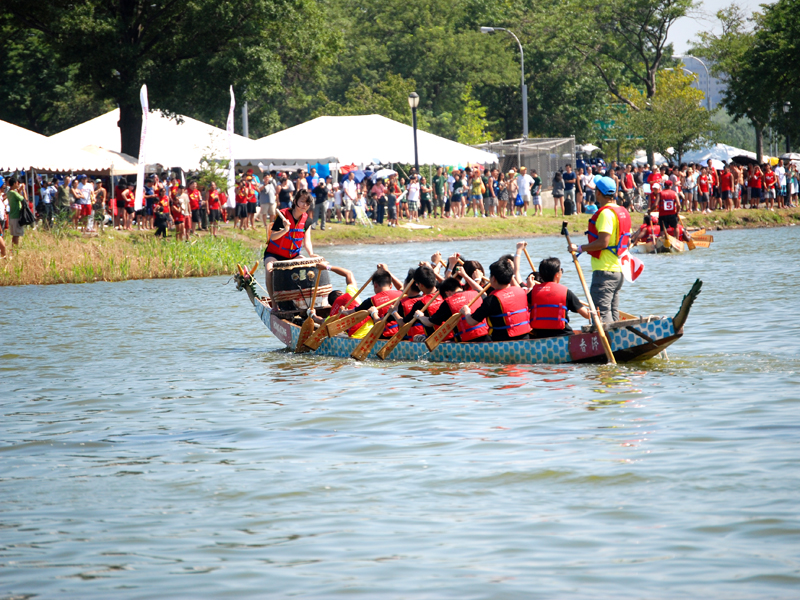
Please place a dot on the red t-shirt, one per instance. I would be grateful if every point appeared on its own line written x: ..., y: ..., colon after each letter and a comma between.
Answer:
x: 714, y: 177
x: 194, y: 199
x: 769, y: 179
x: 726, y: 182
x: 243, y: 196
x: 702, y: 183
x: 213, y: 200
x: 755, y: 181
x: 130, y: 199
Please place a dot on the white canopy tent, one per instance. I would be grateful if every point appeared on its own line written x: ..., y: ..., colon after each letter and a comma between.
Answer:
x: 360, y: 140
x: 722, y: 152
x: 23, y: 150
x: 169, y: 143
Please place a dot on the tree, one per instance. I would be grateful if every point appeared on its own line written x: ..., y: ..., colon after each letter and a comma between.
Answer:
x: 473, y: 127
x: 728, y: 54
x: 188, y: 52
x: 672, y: 118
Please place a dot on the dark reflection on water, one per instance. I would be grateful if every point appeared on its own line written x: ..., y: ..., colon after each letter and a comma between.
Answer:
x: 156, y: 441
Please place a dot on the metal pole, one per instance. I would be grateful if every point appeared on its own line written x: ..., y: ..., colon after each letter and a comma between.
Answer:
x: 522, y: 82
x: 414, y: 122
x: 245, y: 121
x: 708, y: 77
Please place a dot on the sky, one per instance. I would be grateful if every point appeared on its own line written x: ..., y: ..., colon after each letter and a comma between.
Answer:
x: 686, y: 29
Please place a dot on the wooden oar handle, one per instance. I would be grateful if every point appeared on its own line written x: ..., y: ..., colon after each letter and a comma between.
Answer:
x: 427, y: 305
x: 483, y: 291
x: 528, y: 256
x: 353, y: 299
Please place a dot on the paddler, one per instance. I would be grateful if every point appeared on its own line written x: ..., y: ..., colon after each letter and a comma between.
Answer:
x: 647, y: 232
x: 550, y: 302
x: 383, y: 283
x: 425, y: 281
x: 609, y: 237
x: 505, y: 308
x: 668, y: 208
x: 291, y: 231
x: 339, y: 300
x: 454, y: 298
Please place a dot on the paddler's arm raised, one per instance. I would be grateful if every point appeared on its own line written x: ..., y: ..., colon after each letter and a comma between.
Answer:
x: 460, y: 272
x: 517, y: 258
x: 395, y: 281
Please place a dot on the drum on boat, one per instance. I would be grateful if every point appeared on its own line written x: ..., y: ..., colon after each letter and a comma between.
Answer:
x: 293, y: 283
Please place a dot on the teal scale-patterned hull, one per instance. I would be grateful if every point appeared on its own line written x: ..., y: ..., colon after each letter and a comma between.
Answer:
x: 636, y: 341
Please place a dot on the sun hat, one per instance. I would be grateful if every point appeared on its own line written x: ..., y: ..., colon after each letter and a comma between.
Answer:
x: 605, y: 185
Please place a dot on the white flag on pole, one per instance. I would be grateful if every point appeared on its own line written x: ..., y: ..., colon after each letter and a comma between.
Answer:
x: 632, y: 267
x: 139, y: 197
x: 231, y: 166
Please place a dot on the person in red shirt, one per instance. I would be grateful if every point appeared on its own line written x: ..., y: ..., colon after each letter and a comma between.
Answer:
x: 703, y: 183
x: 754, y: 182
x: 726, y: 188
x: 715, y: 195
x: 214, y: 206
x: 252, y: 202
x: 130, y: 203
x: 243, y: 193
x: 769, y: 181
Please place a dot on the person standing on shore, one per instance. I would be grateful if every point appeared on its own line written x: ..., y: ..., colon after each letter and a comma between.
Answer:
x: 524, y: 187
x: 609, y: 237
x: 17, y: 194
x: 214, y: 206
x: 439, y: 183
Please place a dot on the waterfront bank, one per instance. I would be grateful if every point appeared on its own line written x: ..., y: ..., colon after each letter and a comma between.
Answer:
x: 67, y: 256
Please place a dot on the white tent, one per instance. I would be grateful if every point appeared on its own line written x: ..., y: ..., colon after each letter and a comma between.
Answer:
x: 169, y: 143
x: 119, y: 162
x: 722, y: 152
x: 22, y: 150
x: 359, y: 140
x: 641, y: 158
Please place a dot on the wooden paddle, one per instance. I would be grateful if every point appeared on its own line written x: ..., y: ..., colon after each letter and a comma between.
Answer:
x: 402, y: 332
x: 438, y: 336
x: 314, y: 341
x: 308, y: 325
x: 349, y: 321
x: 595, y: 315
x: 363, y: 349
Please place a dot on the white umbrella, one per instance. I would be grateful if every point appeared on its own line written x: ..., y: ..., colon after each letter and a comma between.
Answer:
x: 715, y: 164
x: 587, y: 148
x: 790, y: 156
x: 383, y: 174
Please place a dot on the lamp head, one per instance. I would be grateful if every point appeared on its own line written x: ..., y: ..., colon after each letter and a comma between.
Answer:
x: 487, y: 29
x: 413, y: 100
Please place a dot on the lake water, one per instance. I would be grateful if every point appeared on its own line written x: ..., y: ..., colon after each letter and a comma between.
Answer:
x: 156, y: 441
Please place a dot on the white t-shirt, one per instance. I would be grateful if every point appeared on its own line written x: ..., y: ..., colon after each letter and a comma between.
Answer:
x: 350, y: 188
x: 780, y: 173
x: 524, y: 183
x: 413, y: 192
x: 337, y: 198
x: 451, y: 182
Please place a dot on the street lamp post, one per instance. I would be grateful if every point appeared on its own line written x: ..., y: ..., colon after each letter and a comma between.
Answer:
x: 786, y: 108
x: 522, y: 76
x: 708, y: 77
x: 413, y: 102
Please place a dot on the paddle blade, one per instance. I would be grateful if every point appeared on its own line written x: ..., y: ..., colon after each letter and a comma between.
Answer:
x: 438, y: 336
x: 365, y: 346
x: 396, y: 339
x: 346, y: 323
x: 315, y: 339
x: 305, y: 332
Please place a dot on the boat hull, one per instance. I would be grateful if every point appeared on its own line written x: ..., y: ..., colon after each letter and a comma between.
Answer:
x: 637, y: 341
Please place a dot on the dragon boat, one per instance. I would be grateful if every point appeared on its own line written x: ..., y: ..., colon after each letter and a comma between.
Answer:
x: 633, y: 338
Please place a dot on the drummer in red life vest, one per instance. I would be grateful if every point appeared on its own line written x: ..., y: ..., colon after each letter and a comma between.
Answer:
x: 609, y: 237
x: 456, y: 297
x: 425, y: 282
x: 290, y: 233
x: 506, y: 306
x: 550, y: 302
x: 382, y: 283
x: 339, y: 300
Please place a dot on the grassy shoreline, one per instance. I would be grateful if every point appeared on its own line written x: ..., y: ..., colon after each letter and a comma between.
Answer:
x: 66, y: 256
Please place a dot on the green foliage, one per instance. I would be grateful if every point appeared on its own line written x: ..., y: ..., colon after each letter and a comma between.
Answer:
x: 740, y: 133
x: 673, y: 118
x: 473, y: 126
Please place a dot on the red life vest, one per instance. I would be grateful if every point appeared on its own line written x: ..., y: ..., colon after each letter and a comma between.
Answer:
x: 668, y: 205
x: 382, y: 298
x: 514, y: 304
x: 407, y: 304
x: 651, y: 231
x: 464, y: 331
x: 289, y: 245
x: 549, y: 306
x: 624, y: 226
x: 338, y: 305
